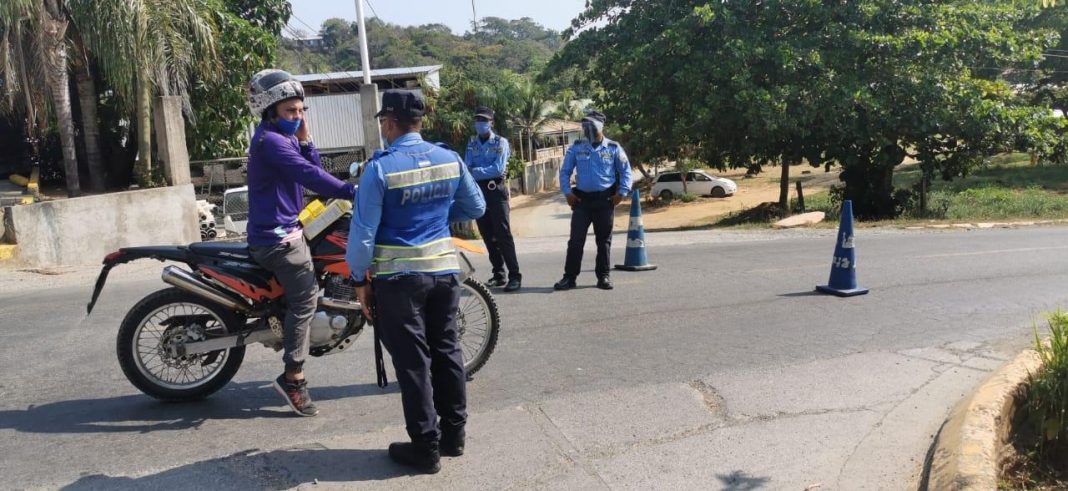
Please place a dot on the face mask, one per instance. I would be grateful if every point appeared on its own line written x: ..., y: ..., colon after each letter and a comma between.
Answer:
x: 482, y: 127
x: 288, y: 127
x: 591, y: 130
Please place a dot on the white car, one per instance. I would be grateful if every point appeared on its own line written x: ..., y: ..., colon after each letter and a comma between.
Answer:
x: 669, y: 185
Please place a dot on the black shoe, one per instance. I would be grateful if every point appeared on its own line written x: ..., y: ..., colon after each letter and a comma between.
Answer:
x: 424, y: 456
x: 513, y: 285
x: 565, y: 284
x: 452, y: 442
x: 604, y: 283
x: 497, y: 280
x: 296, y: 394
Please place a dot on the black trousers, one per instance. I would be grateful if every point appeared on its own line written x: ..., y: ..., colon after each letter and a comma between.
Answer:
x: 496, y: 229
x: 595, y: 208
x: 417, y: 316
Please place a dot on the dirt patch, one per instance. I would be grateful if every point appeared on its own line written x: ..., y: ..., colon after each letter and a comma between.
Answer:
x: 752, y: 193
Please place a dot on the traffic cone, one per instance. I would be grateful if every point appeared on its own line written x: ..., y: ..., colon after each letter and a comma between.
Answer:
x: 635, y: 259
x: 843, y: 282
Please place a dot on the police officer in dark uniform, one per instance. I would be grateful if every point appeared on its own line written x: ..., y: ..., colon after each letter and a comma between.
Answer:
x: 399, y: 236
x: 602, y: 180
x: 487, y: 159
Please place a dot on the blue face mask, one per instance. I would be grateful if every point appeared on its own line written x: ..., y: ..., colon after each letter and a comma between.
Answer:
x: 288, y: 127
x: 482, y: 127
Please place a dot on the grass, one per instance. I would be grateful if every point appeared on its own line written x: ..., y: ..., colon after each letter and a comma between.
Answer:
x: 1041, y: 425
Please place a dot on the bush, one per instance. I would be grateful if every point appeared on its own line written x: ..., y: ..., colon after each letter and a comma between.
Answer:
x: 688, y: 198
x: 1047, y: 401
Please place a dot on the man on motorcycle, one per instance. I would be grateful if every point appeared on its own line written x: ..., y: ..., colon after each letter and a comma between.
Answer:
x: 400, y: 237
x: 282, y: 161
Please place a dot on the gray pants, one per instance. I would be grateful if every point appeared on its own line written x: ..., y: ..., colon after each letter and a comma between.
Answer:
x: 292, y: 264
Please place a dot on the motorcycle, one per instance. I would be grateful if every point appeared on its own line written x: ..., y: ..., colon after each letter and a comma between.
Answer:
x: 188, y: 341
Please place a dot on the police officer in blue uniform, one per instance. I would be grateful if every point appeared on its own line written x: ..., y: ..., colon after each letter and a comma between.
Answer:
x: 487, y: 158
x: 602, y: 180
x: 399, y: 237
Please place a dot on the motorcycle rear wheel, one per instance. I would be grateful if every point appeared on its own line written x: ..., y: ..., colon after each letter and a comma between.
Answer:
x: 167, y: 317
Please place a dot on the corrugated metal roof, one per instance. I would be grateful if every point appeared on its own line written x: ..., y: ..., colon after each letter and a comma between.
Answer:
x: 383, y: 73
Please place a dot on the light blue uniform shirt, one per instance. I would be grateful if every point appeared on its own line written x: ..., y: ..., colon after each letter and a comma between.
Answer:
x: 597, y: 168
x: 412, y: 223
x: 489, y: 159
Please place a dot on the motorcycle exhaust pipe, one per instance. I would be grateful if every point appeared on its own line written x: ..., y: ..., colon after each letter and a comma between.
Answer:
x: 180, y: 278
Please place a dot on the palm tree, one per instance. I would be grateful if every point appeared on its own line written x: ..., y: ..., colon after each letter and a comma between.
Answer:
x: 531, y: 111
x: 35, y: 64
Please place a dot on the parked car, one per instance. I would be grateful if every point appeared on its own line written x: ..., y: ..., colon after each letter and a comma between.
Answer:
x: 669, y: 185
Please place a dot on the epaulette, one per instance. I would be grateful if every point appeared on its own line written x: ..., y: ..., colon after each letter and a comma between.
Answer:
x: 443, y: 145
x: 613, y: 144
x: 580, y: 141
x: 381, y: 153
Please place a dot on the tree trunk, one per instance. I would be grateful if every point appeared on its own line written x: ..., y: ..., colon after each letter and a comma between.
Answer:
x: 143, y: 168
x: 53, y: 41
x: 784, y: 190
x: 87, y: 99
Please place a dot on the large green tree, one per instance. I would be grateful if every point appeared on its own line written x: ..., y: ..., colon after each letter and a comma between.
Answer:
x: 861, y: 83
x: 247, y: 37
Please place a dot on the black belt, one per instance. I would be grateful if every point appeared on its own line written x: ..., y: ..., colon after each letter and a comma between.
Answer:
x: 491, y: 184
x: 604, y: 194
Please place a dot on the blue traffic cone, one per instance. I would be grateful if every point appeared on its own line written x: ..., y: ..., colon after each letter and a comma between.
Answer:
x: 635, y: 259
x: 843, y: 282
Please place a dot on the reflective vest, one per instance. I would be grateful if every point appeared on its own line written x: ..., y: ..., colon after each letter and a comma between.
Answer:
x: 414, y: 237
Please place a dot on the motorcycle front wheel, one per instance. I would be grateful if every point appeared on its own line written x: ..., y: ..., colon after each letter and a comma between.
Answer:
x: 478, y: 322
x: 166, y: 319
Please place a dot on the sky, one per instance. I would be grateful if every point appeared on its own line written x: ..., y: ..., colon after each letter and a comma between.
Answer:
x: 554, y: 14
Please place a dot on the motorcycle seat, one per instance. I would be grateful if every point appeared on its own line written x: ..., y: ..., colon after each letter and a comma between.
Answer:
x: 232, y: 250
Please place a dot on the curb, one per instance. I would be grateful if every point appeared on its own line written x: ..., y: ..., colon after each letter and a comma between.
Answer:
x: 967, y: 450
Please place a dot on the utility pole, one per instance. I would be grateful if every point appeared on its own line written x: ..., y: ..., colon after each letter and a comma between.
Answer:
x: 369, y: 103
x: 474, y: 17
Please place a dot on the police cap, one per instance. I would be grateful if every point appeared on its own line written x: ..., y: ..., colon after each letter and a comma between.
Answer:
x: 484, y: 112
x: 402, y: 104
x: 594, y: 116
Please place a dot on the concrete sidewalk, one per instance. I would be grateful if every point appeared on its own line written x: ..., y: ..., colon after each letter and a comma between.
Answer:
x: 863, y: 421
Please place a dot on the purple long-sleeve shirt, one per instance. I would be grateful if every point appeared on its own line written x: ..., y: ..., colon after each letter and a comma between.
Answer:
x: 279, y: 169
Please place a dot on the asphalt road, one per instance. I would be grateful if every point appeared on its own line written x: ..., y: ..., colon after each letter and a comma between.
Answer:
x: 719, y: 370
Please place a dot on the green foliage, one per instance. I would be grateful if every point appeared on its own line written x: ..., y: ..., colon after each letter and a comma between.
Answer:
x: 246, y: 44
x: 688, y: 197
x: 1047, y: 398
x: 863, y: 84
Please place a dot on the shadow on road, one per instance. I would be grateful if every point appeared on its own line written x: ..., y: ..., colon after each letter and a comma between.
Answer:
x: 142, y: 414
x: 809, y: 293
x: 739, y: 481
x: 251, y: 469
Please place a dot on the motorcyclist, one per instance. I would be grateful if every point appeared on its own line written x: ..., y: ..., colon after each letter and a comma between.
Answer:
x: 282, y: 161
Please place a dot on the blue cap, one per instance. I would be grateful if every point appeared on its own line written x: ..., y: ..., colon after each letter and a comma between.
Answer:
x: 404, y: 104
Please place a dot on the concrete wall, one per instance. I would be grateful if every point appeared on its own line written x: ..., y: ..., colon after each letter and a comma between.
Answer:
x: 540, y: 176
x: 84, y: 230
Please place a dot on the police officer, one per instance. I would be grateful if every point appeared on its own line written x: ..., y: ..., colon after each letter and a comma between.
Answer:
x: 602, y: 180
x: 486, y: 158
x: 399, y: 236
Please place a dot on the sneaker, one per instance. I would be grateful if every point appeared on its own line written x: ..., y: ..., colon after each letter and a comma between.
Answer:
x: 513, y: 285
x: 604, y: 283
x: 497, y: 280
x: 452, y: 442
x: 296, y: 394
x: 423, y: 456
x: 565, y: 284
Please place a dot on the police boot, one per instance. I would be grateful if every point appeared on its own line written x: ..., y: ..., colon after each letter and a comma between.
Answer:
x: 498, y: 279
x: 452, y: 442
x: 423, y: 456
x: 604, y: 283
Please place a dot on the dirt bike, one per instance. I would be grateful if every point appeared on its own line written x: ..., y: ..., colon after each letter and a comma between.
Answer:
x: 186, y: 342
